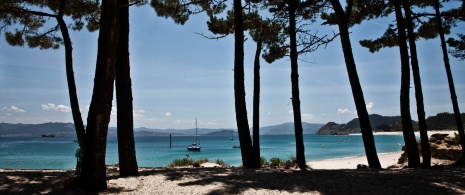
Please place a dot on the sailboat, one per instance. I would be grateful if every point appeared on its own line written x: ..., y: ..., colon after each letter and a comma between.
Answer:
x: 232, y: 135
x: 195, y: 146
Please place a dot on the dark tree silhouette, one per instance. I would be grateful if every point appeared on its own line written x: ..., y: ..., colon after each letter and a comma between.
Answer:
x: 300, y: 149
x: 407, y: 128
x: 342, y: 20
x: 458, y: 46
x: 293, y: 13
x: 256, y: 100
x: 247, y: 152
x: 94, y: 169
x: 125, y: 121
x: 267, y: 35
x: 425, y: 148
x: 453, y: 96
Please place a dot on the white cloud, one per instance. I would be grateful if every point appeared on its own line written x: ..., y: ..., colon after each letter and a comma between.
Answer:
x: 138, y: 113
x: 212, y: 122
x: 13, y: 109
x: 343, y: 111
x: 308, y: 117
x: 370, y: 106
x: 168, y: 114
x: 59, y: 108
x: 269, y: 113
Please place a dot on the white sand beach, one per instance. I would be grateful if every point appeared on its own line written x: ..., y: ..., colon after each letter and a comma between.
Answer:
x: 335, y: 176
x: 386, y: 160
x: 417, y: 133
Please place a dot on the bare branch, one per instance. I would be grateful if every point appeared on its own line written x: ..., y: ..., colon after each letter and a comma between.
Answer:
x: 211, y: 37
x: 21, y: 10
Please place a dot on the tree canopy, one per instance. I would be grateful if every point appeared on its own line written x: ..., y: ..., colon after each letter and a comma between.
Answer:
x: 26, y: 21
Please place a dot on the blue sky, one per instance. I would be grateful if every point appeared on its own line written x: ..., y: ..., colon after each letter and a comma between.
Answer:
x: 179, y: 76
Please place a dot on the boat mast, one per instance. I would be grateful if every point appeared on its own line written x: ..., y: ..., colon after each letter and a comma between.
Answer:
x: 196, y: 133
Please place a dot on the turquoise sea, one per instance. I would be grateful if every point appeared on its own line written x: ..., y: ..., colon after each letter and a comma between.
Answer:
x: 58, y: 152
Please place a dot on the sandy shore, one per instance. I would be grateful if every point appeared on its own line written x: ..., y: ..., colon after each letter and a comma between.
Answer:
x: 386, y: 160
x: 321, y: 179
x: 439, y: 180
x: 417, y: 133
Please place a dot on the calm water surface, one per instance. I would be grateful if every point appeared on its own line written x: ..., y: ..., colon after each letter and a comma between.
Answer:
x: 58, y: 152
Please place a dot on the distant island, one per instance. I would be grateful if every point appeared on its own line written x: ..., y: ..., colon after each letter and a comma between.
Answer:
x: 442, y: 121
x: 67, y: 129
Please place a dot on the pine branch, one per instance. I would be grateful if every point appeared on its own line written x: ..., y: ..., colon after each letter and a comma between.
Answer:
x: 211, y: 37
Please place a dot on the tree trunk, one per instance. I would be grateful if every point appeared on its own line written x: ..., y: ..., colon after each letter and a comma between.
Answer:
x: 256, y: 102
x: 407, y: 128
x: 453, y: 96
x: 125, y: 122
x: 367, y: 132
x: 299, y: 139
x: 425, y: 148
x: 77, y: 117
x: 248, y: 158
x: 94, y: 169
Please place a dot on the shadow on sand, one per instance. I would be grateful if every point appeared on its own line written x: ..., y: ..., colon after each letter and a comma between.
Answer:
x: 438, y: 180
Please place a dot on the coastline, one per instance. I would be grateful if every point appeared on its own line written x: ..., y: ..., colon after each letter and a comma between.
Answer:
x: 417, y: 133
x: 386, y: 160
x: 211, y: 180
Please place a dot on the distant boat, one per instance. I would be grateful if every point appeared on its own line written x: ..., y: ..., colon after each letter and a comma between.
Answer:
x: 237, y: 146
x: 195, y: 146
x: 232, y: 135
x: 48, y: 135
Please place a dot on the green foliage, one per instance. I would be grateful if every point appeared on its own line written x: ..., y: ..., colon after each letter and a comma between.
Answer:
x: 221, y: 163
x: 292, y: 162
x: 186, y: 161
x: 181, y: 162
x: 275, y: 162
x: 30, y: 20
x: 269, y: 31
x: 263, y: 161
x: 458, y: 46
x: 180, y: 10
x: 365, y: 10
x: 426, y: 27
x: 442, y: 121
x: 389, y: 39
x: 308, y: 39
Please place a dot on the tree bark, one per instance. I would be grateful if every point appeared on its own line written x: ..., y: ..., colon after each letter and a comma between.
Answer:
x: 125, y: 121
x: 256, y: 102
x: 299, y: 140
x: 357, y: 92
x: 425, y: 148
x: 73, y: 99
x: 407, y: 128
x: 248, y: 159
x: 453, y: 96
x: 94, y: 169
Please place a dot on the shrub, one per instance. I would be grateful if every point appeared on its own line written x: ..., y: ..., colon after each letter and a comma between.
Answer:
x: 181, y: 162
x: 275, y: 162
x: 221, y: 163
